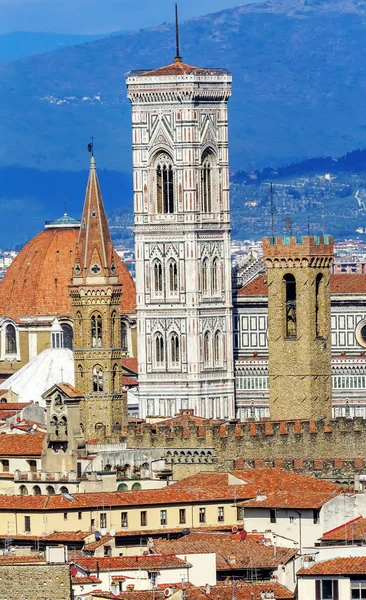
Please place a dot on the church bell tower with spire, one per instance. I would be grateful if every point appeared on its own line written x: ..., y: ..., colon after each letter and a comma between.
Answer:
x: 96, y: 296
x: 182, y: 239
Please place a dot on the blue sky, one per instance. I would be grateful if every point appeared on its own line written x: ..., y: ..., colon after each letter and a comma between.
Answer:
x: 99, y: 16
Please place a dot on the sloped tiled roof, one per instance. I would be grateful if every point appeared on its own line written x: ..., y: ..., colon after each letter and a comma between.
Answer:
x: 353, y: 531
x: 342, y: 283
x: 355, y: 565
x: 28, y: 444
x: 124, y: 563
x: 179, y: 68
x: 231, y: 551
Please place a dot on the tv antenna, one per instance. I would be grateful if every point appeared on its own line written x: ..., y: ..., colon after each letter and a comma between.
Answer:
x: 272, y: 208
x: 91, y: 146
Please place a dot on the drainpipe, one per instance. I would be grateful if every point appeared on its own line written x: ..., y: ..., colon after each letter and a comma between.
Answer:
x: 300, y: 543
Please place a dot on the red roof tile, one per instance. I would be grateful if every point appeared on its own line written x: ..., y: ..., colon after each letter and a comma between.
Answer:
x: 353, y: 531
x: 131, y: 364
x: 21, y: 560
x: 231, y: 551
x: 29, y: 444
x: 124, y: 563
x: 178, y: 68
x: 355, y: 565
x: 352, y: 283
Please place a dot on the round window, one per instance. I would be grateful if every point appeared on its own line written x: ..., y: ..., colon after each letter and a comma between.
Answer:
x: 360, y: 333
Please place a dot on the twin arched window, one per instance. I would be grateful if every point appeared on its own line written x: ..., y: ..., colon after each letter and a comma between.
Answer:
x: 164, y: 185
x: 173, y: 277
x: 10, y: 339
x: 215, y: 277
x: 158, y: 278
x: 96, y: 331
x: 207, y: 348
x: 159, y: 350
x: 98, y: 379
x: 174, y: 349
x: 215, y: 349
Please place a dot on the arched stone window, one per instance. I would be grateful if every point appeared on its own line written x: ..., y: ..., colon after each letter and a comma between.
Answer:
x: 173, y: 277
x: 164, y: 185
x: 80, y: 371
x: 207, y: 348
x: 206, y: 182
x: 114, y: 330
x: 115, y: 379
x: 158, y: 278
x: 320, y: 314
x: 159, y: 350
x: 64, y: 489
x: 97, y: 379
x: 36, y: 490
x: 23, y: 490
x: 136, y: 486
x: 216, y: 287
x: 68, y: 335
x: 123, y: 487
x: 205, y: 282
x: 218, y: 347
x: 96, y: 331
x: 174, y: 349
x: 50, y: 490
x: 289, y: 282
x: 10, y: 339
x: 124, y: 337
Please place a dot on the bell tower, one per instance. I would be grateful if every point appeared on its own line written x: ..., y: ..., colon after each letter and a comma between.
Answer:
x: 96, y: 296
x: 299, y: 334
x: 182, y: 239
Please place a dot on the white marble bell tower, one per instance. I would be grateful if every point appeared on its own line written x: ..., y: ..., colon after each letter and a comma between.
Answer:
x: 182, y: 240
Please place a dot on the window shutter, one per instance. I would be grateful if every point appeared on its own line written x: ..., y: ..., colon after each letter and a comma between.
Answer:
x: 317, y: 590
x: 335, y: 590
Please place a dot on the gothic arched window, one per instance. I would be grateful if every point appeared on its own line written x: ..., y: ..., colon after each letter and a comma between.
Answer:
x: 97, y: 379
x: 205, y: 276
x: 173, y: 277
x: 115, y: 382
x: 206, y: 183
x: 68, y: 335
x: 216, y: 276
x: 174, y: 349
x: 207, y: 348
x: 217, y: 347
x: 114, y: 330
x: 164, y: 185
x: 290, y: 306
x: 320, y: 314
x: 158, y: 278
x: 159, y: 349
x: 10, y: 340
x: 96, y: 331
x: 124, y: 337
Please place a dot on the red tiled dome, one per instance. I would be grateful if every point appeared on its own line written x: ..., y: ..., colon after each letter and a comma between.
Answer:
x: 36, y: 283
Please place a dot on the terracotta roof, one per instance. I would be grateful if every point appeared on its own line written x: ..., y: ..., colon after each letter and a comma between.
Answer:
x: 129, y: 381
x: 179, y: 68
x: 353, y: 531
x: 21, y: 560
x: 344, y: 283
x: 171, y: 530
x: 183, y: 418
x: 231, y: 551
x: 355, y: 565
x: 84, y: 580
x: 297, y: 499
x: 97, y: 543
x: 67, y: 536
x: 124, y: 563
x: 29, y: 444
x: 36, y: 283
x: 69, y: 390
x: 130, y: 364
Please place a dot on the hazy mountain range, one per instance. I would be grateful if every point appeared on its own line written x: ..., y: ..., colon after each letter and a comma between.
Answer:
x: 298, y: 91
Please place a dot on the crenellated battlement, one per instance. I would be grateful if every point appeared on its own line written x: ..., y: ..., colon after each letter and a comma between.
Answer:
x: 264, y: 440
x: 290, y: 248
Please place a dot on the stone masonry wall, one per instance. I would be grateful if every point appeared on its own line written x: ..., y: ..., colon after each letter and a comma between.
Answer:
x: 35, y: 582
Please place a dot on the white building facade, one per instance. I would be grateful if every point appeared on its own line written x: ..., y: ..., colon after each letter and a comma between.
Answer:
x: 182, y: 240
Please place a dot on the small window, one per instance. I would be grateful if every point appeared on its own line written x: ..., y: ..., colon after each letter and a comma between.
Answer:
x: 163, y: 517
x: 36, y: 490
x: 124, y: 519
x: 207, y: 348
x: 50, y: 490
x: 92, y: 524
x: 182, y: 516
x: 290, y: 308
x: 103, y: 520
x: 143, y: 518
x: 316, y: 515
x: 98, y: 379
x: 68, y: 335
x: 124, y: 337
x: 220, y: 514
x: 273, y: 515
x: 32, y: 466
x: 5, y: 465
x: 65, y: 516
x: 10, y: 340
x: 80, y: 515
x: 27, y: 524
x: 239, y: 513
x: 23, y: 490
x: 202, y: 515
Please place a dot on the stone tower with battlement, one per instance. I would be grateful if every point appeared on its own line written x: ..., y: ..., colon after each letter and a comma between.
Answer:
x: 96, y: 296
x: 299, y: 343
x: 182, y: 239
